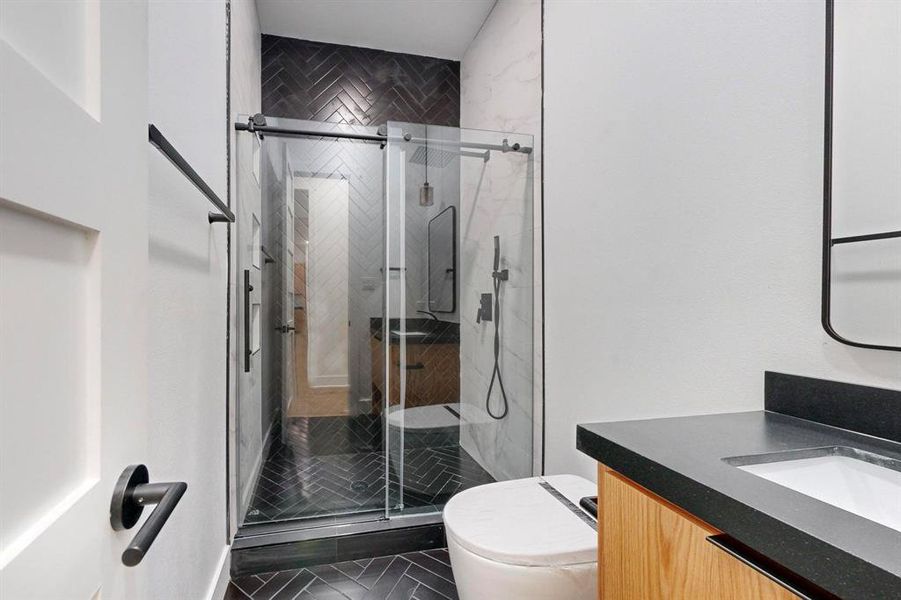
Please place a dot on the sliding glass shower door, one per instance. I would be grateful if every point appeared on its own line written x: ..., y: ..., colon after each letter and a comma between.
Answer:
x: 459, y: 295
x: 385, y: 320
x: 320, y: 236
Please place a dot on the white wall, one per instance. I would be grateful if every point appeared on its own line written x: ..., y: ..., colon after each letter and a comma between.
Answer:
x: 500, y: 90
x: 188, y: 274
x: 683, y: 227
x: 245, y: 397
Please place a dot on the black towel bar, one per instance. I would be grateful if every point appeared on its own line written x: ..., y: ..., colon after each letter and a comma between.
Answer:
x: 866, y: 238
x: 162, y: 144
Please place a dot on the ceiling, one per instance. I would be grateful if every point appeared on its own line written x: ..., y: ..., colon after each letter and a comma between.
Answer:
x: 439, y: 28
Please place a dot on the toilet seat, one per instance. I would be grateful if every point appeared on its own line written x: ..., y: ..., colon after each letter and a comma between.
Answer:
x: 523, y: 523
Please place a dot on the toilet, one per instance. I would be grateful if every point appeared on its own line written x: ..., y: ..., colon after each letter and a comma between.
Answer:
x: 525, y: 539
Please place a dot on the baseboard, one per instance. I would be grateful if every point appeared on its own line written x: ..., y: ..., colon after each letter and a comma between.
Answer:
x: 327, y: 381
x: 219, y: 583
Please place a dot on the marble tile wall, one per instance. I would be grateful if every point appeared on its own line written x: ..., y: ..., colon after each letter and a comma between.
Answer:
x: 501, y: 91
x: 244, y: 388
x: 496, y: 200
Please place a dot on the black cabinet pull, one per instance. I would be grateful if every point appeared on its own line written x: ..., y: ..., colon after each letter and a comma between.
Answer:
x: 247, y: 289
x: 413, y: 366
x: 590, y: 505
x: 770, y: 568
x: 132, y: 493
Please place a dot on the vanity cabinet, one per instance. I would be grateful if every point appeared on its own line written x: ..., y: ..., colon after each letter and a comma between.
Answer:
x: 650, y: 549
x: 433, y: 374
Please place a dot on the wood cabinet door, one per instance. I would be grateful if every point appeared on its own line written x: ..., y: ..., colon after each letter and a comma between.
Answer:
x: 432, y: 374
x: 651, y: 549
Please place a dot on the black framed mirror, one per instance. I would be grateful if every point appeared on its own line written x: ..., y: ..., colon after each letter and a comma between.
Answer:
x: 861, y: 277
x: 443, y: 261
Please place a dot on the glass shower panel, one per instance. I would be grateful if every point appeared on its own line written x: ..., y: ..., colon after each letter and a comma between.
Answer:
x: 322, y: 240
x: 459, y: 299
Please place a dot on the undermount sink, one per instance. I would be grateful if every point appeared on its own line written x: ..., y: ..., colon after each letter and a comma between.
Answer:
x: 860, y: 482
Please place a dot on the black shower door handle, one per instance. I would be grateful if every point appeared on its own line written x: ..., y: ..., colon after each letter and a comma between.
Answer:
x: 132, y: 493
x: 247, y: 289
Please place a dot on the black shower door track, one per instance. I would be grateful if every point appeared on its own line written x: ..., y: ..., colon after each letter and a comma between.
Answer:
x: 370, y: 137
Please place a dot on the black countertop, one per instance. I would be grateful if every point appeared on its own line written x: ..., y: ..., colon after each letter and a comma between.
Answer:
x: 681, y: 460
x: 419, y: 331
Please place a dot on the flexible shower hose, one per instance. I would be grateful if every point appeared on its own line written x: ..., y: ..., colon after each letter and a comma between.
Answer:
x: 496, y: 373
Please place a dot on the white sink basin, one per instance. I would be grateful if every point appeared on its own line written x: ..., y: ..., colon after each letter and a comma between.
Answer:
x: 865, y: 484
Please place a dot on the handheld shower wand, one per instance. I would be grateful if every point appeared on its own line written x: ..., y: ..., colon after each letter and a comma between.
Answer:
x: 498, y: 276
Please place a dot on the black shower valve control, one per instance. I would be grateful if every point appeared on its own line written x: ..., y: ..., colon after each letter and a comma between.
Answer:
x: 502, y: 275
x: 484, y: 313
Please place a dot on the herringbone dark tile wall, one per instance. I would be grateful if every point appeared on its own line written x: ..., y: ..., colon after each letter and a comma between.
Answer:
x: 357, y: 86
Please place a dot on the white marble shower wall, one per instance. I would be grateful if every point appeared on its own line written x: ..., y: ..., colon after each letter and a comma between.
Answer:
x: 500, y: 90
x: 493, y: 198
x: 496, y: 200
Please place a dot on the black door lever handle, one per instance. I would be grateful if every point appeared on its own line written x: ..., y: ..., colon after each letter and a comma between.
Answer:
x: 132, y: 493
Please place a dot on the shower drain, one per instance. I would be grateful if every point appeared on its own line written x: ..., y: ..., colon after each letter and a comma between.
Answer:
x: 359, y: 486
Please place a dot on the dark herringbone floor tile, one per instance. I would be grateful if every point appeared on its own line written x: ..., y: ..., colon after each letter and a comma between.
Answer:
x: 423, y: 575
x: 333, y: 466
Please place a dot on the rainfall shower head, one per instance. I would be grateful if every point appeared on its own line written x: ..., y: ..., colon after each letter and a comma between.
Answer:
x: 432, y: 157
x: 438, y: 157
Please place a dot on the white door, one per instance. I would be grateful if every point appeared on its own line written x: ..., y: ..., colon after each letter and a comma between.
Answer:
x: 328, y: 283
x: 73, y: 272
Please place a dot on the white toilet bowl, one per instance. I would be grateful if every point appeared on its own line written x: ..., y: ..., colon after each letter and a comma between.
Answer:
x: 525, y: 539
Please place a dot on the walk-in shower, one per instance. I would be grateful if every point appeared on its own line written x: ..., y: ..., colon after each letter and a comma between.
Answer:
x: 362, y: 255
